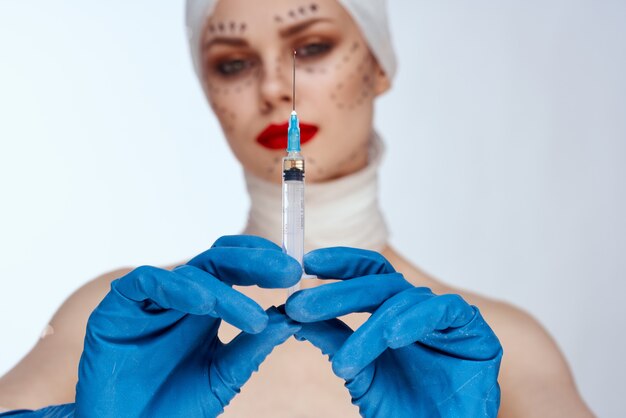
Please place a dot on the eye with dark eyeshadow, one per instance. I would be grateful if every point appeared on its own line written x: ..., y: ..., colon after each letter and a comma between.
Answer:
x: 313, y: 49
x: 233, y: 67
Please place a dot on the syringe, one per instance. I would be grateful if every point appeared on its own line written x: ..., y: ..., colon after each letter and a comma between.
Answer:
x: 293, y: 188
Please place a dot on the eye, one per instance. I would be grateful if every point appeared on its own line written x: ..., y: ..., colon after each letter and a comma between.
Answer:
x: 233, y: 67
x: 313, y: 49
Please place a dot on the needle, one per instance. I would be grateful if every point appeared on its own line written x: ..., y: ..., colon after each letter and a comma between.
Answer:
x: 294, y: 81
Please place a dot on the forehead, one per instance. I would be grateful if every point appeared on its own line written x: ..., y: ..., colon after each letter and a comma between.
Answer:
x: 274, y: 14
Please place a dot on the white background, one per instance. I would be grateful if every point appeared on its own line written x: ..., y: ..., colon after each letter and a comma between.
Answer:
x: 505, y: 169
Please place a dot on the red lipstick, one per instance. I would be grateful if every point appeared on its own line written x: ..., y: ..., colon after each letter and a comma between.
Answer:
x: 275, y: 136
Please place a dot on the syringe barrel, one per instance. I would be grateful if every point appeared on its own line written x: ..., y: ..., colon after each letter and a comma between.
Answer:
x: 293, y: 210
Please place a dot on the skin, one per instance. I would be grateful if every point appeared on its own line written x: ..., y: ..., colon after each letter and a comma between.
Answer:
x: 337, y: 87
x: 337, y: 80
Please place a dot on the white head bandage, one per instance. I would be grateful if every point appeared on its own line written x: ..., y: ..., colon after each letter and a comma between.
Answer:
x: 369, y: 15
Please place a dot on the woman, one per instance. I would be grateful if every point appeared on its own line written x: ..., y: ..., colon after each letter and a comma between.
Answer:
x: 242, y: 51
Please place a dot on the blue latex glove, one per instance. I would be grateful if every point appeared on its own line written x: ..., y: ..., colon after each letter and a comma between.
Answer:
x: 418, y: 355
x: 56, y: 411
x: 151, y: 347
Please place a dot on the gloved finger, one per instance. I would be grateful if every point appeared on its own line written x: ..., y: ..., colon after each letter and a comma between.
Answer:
x: 363, y: 294
x: 458, y: 329
x: 345, y: 263
x: 244, y: 266
x: 245, y: 241
x: 235, y: 362
x: 54, y: 411
x: 402, y: 320
x: 192, y: 291
x: 327, y: 335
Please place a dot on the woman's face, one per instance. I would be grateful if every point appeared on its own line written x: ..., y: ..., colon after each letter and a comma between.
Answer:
x: 247, y: 50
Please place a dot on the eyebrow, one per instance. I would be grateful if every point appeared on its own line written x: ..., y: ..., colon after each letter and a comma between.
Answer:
x: 284, y: 33
x: 225, y: 41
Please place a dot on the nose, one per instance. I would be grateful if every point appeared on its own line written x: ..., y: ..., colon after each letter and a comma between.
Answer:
x: 275, y: 85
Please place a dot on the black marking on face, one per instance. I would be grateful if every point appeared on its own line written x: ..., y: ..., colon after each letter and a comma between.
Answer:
x: 211, y: 28
x: 220, y: 27
x: 276, y: 159
x: 226, y: 118
x: 278, y: 19
x: 364, y: 61
x: 242, y: 27
x: 292, y: 14
x: 355, y: 46
x: 309, y: 70
x: 313, y: 7
x: 232, y: 26
x: 301, y: 10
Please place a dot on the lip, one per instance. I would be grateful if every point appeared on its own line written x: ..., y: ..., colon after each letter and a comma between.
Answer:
x: 275, y: 136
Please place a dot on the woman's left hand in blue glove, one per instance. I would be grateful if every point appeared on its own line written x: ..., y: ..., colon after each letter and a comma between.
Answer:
x: 418, y: 354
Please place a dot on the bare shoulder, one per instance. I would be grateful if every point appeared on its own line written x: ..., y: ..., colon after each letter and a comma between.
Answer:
x: 534, y: 377
x: 48, y: 373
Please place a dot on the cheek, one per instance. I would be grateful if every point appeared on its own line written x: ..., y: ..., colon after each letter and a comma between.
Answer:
x: 347, y: 81
x: 354, y: 75
x: 226, y: 98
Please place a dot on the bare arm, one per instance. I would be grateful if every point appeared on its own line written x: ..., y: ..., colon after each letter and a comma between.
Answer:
x: 47, y: 375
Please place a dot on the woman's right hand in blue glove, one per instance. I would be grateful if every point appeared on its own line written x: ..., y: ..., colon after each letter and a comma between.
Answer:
x: 151, y: 347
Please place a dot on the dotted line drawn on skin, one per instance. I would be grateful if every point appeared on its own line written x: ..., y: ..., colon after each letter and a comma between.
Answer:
x: 298, y: 12
x: 238, y: 85
x: 230, y: 27
x: 226, y: 117
x: 368, y: 82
